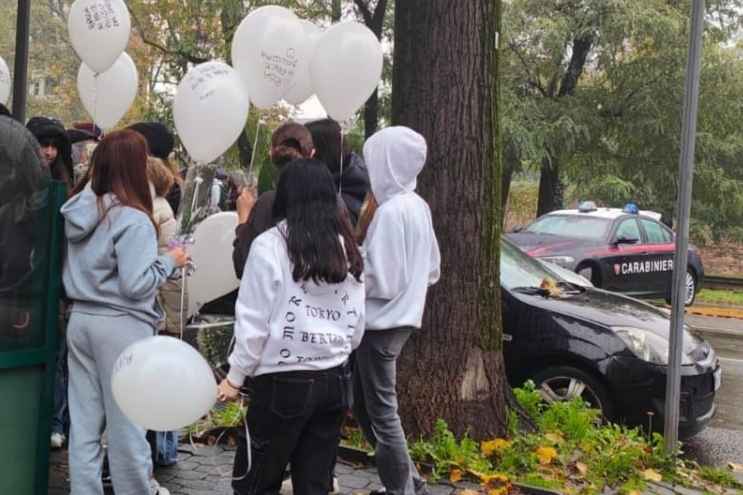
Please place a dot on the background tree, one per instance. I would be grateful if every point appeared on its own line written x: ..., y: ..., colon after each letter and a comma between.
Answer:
x: 445, y: 86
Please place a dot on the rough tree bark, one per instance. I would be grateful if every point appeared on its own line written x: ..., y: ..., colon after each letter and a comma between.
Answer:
x: 374, y: 20
x: 445, y: 86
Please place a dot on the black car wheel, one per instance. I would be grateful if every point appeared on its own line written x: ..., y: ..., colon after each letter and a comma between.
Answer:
x: 690, y: 288
x: 565, y: 383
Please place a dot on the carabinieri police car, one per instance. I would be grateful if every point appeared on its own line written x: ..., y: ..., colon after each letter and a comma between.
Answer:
x: 622, y: 250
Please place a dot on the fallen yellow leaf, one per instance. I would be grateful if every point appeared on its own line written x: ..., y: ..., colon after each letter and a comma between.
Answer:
x: 468, y: 492
x: 546, y: 455
x: 736, y: 468
x: 633, y: 492
x: 489, y: 447
x: 581, y: 468
x: 499, y: 491
x: 491, y: 479
x: 455, y: 475
x: 651, y: 475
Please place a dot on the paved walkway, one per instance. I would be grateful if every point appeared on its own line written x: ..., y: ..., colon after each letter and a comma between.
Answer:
x: 207, y: 471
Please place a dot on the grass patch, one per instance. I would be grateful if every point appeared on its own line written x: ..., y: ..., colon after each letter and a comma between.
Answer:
x: 718, y: 296
x: 571, y: 451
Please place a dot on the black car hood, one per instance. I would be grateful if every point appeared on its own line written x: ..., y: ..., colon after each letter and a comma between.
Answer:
x: 608, y: 310
x: 543, y: 244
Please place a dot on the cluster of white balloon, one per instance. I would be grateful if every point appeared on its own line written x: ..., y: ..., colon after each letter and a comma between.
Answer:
x: 107, y: 80
x: 276, y: 56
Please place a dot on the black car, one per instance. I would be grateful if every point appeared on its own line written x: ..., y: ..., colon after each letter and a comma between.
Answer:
x: 622, y: 250
x: 609, y: 349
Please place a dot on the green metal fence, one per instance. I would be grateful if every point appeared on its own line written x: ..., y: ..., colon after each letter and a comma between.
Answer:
x: 29, y: 334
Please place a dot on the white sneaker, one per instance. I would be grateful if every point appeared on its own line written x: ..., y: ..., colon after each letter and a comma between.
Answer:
x: 57, y: 440
x: 156, y: 489
x: 336, y: 486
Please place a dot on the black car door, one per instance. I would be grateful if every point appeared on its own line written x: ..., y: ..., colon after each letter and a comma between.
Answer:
x: 621, y: 265
x: 660, y: 248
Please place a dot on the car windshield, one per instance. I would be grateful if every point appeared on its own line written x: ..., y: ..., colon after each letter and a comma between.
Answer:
x: 575, y: 226
x: 519, y: 270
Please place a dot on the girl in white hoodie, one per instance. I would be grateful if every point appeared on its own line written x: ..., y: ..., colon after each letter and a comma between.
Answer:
x: 299, y: 314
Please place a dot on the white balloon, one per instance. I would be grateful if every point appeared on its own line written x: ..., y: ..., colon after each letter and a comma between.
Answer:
x: 107, y: 96
x: 163, y: 384
x: 265, y: 52
x: 346, y: 68
x: 211, y: 253
x: 99, y: 31
x: 300, y: 90
x: 210, y: 110
x: 4, y: 82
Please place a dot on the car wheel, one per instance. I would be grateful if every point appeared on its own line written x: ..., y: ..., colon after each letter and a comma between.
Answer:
x: 565, y: 383
x: 690, y: 289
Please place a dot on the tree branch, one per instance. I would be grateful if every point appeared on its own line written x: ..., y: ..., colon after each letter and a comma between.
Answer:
x: 166, y: 51
x: 533, y: 80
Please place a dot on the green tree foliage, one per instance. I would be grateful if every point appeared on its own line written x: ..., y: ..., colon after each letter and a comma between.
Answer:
x: 616, y: 135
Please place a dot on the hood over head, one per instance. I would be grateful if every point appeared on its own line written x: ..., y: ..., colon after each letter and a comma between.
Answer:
x: 82, y: 213
x: 23, y: 180
x: 45, y: 128
x: 394, y: 157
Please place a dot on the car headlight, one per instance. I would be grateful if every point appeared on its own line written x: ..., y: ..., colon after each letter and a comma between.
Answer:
x: 643, y: 344
x: 563, y: 261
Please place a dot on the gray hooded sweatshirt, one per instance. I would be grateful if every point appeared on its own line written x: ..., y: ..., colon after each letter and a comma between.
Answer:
x: 112, y: 266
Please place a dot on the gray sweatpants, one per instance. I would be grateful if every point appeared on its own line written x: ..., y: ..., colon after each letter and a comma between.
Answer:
x: 375, y: 408
x: 95, y: 343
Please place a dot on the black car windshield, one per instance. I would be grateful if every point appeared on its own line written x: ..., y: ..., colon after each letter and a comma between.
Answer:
x: 517, y: 269
x: 575, y: 226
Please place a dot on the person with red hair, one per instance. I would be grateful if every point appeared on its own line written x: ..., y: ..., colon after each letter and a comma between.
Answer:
x: 112, y: 274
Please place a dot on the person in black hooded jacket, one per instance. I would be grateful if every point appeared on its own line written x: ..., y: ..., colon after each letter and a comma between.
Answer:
x: 353, y: 178
x: 56, y: 149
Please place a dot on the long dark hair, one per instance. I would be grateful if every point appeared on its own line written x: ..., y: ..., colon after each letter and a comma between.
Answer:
x: 326, y: 134
x: 119, y: 166
x: 306, y: 198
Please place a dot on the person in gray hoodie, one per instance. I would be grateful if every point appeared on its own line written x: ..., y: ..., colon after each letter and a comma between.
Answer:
x: 112, y: 273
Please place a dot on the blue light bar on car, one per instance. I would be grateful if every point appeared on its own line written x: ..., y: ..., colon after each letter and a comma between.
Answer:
x: 631, y: 208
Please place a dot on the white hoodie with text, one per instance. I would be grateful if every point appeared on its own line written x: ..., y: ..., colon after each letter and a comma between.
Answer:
x: 401, y: 253
x: 283, y: 325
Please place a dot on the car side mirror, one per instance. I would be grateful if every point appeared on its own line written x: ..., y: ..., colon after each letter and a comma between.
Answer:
x: 517, y: 228
x: 626, y: 240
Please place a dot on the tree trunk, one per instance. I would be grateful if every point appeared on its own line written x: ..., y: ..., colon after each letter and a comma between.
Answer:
x: 550, y: 188
x: 371, y: 114
x: 336, y: 11
x: 445, y: 86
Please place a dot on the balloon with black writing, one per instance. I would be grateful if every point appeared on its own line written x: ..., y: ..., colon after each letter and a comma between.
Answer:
x: 99, y: 31
x: 346, y: 68
x: 210, y: 110
x: 4, y: 82
x: 301, y: 89
x: 163, y: 384
x: 267, y: 50
x: 107, y: 96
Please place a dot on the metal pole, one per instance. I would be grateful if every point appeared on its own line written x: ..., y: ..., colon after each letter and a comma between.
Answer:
x: 20, y: 73
x: 686, y: 176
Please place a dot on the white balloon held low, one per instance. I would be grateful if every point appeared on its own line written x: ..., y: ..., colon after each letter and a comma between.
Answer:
x: 346, y: 68
x: 163, y: 384
x: 99, y: 31
x: 107, y: 96
x: 210, y: 110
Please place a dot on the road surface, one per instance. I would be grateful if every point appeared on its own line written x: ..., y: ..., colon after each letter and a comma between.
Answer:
x: 722, y: 442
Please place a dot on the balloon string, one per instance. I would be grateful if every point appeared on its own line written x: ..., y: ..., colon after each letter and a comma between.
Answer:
x: 340, y: 177
x: 255, y: 146
x: 95, y: 99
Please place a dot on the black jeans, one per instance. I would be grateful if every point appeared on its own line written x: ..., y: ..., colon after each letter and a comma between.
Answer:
x: 294, y: 417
